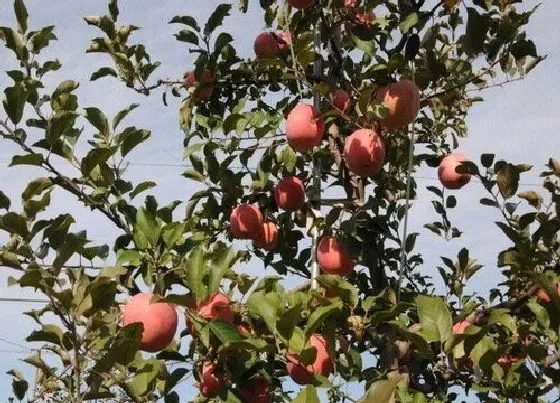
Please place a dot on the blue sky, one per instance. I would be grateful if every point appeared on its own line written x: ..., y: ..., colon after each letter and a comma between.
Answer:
x: 519, y: 123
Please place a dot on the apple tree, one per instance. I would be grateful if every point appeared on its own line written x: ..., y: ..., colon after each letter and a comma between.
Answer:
x: 353, y: 95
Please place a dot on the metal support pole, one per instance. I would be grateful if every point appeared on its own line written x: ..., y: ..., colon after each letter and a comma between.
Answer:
x: 316, y: 183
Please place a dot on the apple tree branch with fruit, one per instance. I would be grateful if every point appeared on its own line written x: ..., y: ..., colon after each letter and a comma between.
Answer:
x: 352, y: 95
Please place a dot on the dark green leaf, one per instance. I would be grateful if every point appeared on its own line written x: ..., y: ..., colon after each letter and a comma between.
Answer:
x: 216, y: 18
x: 29, y: 159
x: 103, y: 72
x: 21, y: 15
x: 435, y: 318
x: 15, y: 102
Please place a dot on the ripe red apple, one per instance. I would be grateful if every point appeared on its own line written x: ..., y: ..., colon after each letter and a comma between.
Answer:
x: 300, y: 4
x: 506, y: 361
x: 364, y: 151
x: 283, y: 40
x: 403, y: 100
x: 246, y: 221
x: 210, y: 382
x: 203, y: 88
x: 256, y: 391
x: 304, y: 128
x: 543, y: 296
x: 216, y: 307
x: 365, y: 19
x: 266, y: 46
x: 341, y: 100
x: 460, y: 327
x: 289, y: 193
x: 350, y: 3
x: 159, y: 320
x: 267, y: 237
x: 447, y: 173
x: 333, y: 258
x: 323, y: 364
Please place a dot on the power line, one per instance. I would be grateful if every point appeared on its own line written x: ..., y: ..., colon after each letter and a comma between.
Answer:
x: 15, y: 344
x: 25, y: 300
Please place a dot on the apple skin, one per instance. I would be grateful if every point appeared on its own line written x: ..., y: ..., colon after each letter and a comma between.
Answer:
x: 266, y: 46
x: 304, y: 128
x: 300, y: 4
x: 246, y: 221
x: 403, y: 100
x: 204, y: 89
x: 333, y: 258
x: 216, y: 307
x: 289, y: 193
x: 210, y: 383
x: 256, y: 391
x: 460, y: 327
x: 322, y: 365
x: 447, y: 174
x: 159, y: 320
x: 341, y: 100
x: 283, y: 40
x: 364, y: 151
x: 506, y: 361
x: 267, y: 237
x: 543, y: 296
x: 451, y: 3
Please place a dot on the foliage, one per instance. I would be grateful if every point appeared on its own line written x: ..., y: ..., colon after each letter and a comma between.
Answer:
x: 394, y: 335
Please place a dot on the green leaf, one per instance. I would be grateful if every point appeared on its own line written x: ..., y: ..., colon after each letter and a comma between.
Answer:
x: 146, y: 376
x: 307, y: 395
x: 540, y: 313
x: 487, y: 160
x: 216, y: 18
x: 319, y: 315
x: 141, y: 187
x: 508, y: 179
x: 185, y: 20
x: 188, y: 36
x: 49, y: 334
x: 40, y: 39
x: 220, y: 265
x: 195, y: 270
x: 98, y: 120
x: 96, y: 157
x: 15, y: 102
x: 225, y: 332
x: 14, y: 224
x: 532, y: 197
x: 19, y: 386
x: 476, y: 30
x: 409, y: 22
x: 382, y: 391
x: 14, y: 41
x: 265, y: 306
x: 4, y: 201
x: 132, y: 137
x: 147, y: 225
x: 435, y: 318
x: 173, y: 379
x: 340, y: 287
x: 194, y: 175
x: 21, y: 15
x: 28, y: 159
x: 123, y: 113
x: 103, y: 72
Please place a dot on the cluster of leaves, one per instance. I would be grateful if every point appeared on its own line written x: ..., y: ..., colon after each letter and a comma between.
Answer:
x: 396, y: 336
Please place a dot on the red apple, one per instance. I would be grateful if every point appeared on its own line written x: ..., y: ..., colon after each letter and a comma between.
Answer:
x: 210, y: 382
x: 350, y: 3
x: 333, y: 258
x: 256, y: 391
x: 283, y: 40
x: 304, y: 128
x: 246, y: 221
x: 159, y: 320
x: 543, y: 296
x: 403, y: 100
x: 460, y: 327
x: 267, y: 237
x: 447, y: 173
x: 341, y: 100
x: 216, y: 307
x: 506, y: 361
x: 299, y: 4
x: 266, y: 46
x: 203, y: 88
x: 364, y: 151
x: 289, y: 193
x: 323, y: 364
x: 365, y: 19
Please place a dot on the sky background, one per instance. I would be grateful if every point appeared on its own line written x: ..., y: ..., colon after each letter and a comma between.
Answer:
x: 519, y: 123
